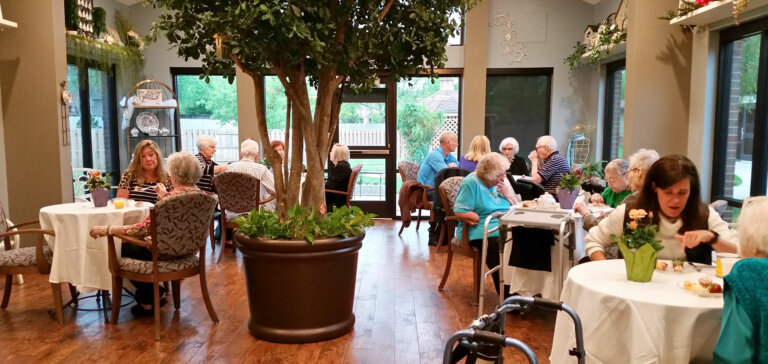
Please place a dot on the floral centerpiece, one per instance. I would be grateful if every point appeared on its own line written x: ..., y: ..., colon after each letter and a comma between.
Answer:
x: 98, y: 186
x: 639, y: 246
x: 569, y: 187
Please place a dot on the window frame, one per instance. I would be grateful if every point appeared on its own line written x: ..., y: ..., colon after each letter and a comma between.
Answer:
x: 759, y: 180
x: 610, y: 68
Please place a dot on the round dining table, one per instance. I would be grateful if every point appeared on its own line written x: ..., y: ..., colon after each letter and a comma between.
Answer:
x: 632, y: 322
x: 78, y: 258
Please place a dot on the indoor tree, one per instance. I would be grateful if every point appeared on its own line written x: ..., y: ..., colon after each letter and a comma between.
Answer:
x: 333, y: 46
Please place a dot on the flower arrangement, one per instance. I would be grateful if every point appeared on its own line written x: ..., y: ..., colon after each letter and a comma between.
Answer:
x: 571, y: 181
x: 96, y: 180
x: 639, y: 246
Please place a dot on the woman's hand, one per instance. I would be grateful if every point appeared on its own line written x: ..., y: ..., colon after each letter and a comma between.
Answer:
x: 691, y: 239
x: 160, y: 190
x: 597, y: 199
x: 470, y: 218
x: 581, y: 208
x: 98, y: 231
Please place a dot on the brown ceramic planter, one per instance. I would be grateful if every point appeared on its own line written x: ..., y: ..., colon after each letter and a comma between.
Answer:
x: 298, y: 292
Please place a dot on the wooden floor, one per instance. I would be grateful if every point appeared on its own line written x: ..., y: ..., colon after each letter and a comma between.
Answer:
x: 401, y: 317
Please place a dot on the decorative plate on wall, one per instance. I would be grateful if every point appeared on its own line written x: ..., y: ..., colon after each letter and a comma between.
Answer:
x: 147, y: 122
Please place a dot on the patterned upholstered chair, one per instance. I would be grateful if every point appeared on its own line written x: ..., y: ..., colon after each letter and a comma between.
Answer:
x: 409, y: 171
x: 448, y: 190
x: 35, y: 259
x: 179, y: 228
x: 239, y: 193
x: 351, y: 187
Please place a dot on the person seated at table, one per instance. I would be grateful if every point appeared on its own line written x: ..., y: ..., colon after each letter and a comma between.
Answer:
x: 144, y: 173
x: 616, y: 177
x: 479, y: 147
x: 249, y: 152
x: 743, y: 336
x: 206, y: 147
x: 687, y: 227
x: 547, y: 163
x: 338, y: 176
x: 482, y: 193
x: 437, y: 160
x: 185, y: 172
x: 517, y: 166
x: 638, y: 166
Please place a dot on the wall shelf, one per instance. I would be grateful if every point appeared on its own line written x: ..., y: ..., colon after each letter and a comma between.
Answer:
x: 713, y: 12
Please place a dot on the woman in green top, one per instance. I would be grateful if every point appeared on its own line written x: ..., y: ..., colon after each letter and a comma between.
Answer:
x: 743, y: 331
x: 616, y: 175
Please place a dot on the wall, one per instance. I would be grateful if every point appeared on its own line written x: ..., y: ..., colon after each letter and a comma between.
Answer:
x: 3, y: 174
x: 112, y: 6
x: 32, y: 64
x: 473, y: 94
x: 573, y: 98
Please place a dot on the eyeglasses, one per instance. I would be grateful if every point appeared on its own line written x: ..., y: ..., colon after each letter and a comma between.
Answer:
x: 539, y: 146
x: 505, y: 149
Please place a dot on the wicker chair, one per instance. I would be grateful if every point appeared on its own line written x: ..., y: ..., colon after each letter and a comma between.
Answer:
x: 179, y: 228
x: 351, y: 186
x: 448, y: 190
x: 35, y: 259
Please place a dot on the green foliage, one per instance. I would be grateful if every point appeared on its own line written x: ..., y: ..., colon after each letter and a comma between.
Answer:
x: 215, y: 98
x: 305, y: 223
x: 99, y: 20
x: 95, y: 179
x: 71, y: 19
x: 266, y: 163
x: 415, y: 123
x: 737, y: 181
x: 593, y: 169
x: 686, y: 6
x: 574, y: 59
x: 750, y: 62
x: 125, y: 58
x: 640, y: 231
x: 608, y: 37
x: 571, y: 180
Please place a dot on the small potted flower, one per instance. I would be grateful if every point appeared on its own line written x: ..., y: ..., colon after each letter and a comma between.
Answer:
x: 639, y: 246
x: 568, y: 190
x: 98, y: 186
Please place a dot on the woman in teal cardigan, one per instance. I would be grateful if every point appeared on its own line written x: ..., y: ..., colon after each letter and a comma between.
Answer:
x: 744, y: 329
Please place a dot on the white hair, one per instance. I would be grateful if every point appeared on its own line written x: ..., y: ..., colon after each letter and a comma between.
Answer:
x: 339, y: 153
x: 205, y: 141
x: 510, y: 140
x: 249, y: 149
x: 620, y: 166
x: 491, y: 165
x: 643, y: 159
x: 753, y: 231
x: 547, y: 141
x: 185, y: 168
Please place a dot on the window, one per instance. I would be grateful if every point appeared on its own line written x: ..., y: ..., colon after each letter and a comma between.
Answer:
x: 739, y: 164
x: 458, y: 38
x: 517, y: 105
x: 613, y: 124
x: 207, y: 109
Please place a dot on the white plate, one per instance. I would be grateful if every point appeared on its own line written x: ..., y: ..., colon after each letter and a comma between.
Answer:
x: 702, y: 292
x: 147, y: 122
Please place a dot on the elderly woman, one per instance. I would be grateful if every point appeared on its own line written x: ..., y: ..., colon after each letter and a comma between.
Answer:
x: 482, y: 193
x: 517, y: 165
x: 688, y: 228
x: 206, y: 147
x: 144, y: 173
x: 185, y: 171
x: 338, y: 176
x: 616, y: 173
x: 479, y: 147
x: 743, y: 338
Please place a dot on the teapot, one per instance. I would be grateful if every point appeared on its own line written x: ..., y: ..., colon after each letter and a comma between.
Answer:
x: 546, y: 201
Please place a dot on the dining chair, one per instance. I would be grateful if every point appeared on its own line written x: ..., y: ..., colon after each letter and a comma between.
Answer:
x: 351, y: 186
x: 239, y: 193
x: 528, y: 190
x: 409, y: 171
x: 448, y: 190
x: 19, y: 261
x: 178, y: 229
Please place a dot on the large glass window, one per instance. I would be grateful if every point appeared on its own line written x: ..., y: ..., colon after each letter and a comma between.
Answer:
x: 739, y: 168
x: 208, y: 108
x: 613, y: 124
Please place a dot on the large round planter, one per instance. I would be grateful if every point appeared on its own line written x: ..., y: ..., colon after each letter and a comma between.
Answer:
x: 300, y: 292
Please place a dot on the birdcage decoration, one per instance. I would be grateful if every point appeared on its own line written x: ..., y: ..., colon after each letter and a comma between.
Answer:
x: 578, y: 144
x: 150, y: 111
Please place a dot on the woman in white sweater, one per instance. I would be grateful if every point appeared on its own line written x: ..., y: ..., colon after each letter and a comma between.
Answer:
x: 688, y: 228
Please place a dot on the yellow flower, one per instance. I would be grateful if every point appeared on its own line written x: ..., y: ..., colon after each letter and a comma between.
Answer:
x: 637, y: 214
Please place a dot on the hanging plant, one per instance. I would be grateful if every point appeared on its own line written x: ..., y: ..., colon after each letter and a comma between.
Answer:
x: 607, y: 38
x: 128, y: 60
x: 99, y: 20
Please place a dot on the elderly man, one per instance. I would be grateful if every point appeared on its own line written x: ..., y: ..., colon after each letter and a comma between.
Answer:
x: 437, y: 160
x: 547, y: 164
x: 207, y: 147
x: 249, y: 152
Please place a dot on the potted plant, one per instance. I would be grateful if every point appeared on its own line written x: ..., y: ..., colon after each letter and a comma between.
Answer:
x: 334, y: 47
x: 639, y: 246
x: 99, y: 188
x: 568, y: 189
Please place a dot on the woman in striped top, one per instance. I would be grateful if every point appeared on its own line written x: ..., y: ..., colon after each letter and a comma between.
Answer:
x: 145, y: 171
x: 207, y: 147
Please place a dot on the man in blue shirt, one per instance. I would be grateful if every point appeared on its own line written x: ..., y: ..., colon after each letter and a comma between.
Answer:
x: 437, y: 160
x: 547, y: 164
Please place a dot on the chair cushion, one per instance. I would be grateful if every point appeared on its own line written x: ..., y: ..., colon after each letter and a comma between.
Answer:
x: 164, y: 266
x: 24, y: 257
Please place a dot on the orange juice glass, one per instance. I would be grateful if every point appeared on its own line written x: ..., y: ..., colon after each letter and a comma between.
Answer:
x: 119, y: 203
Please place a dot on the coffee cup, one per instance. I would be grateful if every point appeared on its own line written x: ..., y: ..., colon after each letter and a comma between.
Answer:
x: 728, y: 264
x: 720, y: 263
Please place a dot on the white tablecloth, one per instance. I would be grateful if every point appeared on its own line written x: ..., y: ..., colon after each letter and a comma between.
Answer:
x: 631, y: 322
x: 78, y: 258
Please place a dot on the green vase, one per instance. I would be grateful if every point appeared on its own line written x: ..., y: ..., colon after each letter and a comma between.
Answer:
x: 640, y: 263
